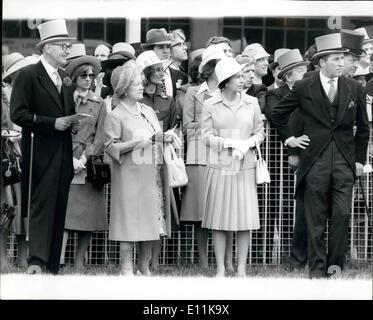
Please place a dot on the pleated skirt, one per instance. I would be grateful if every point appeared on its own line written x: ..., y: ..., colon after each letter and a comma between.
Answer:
x: 193, y: 193
x: 230, y: 200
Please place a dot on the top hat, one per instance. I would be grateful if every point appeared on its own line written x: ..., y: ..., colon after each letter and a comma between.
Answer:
x: 78, y: 57
x: 290, y: 60
x: 256, y: 50
x: 353, y: 41
x: 16, y: 61
x: 273, y: 65
x: 328, y: 44
x: 365, y: 33
x: 226, y: 68
x: 156, y: 36
x: 212, y: 52
x: 147, y: 59
x: 53, y: 30
x: 121, y: 53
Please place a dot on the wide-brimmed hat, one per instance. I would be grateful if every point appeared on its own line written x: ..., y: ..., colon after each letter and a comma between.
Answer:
x: 273, y: 65
x: 51, y: 31
x: 121, y: 53
x: 256, y: 50
x: 14, y: 62
x: 365, y: 33
x: 227, y: 67
x: 156, y: 36
x: 79, y: 57
x: 290, y: 60
x: 195, y: 53
x: 328, y: 44
x: 147, y: 59
x: 211, y: 53
x: 353, y: 41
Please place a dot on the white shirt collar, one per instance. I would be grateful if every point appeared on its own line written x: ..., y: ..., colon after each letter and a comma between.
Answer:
x: 204, y: 87
x: 50, y: 70
x: 325, y: 82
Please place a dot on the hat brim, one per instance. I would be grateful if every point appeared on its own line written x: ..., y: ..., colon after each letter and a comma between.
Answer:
x: 233, y: 72
x: 292, y: 66
x: 272, y: 66
x: 125, y: 54
x: 326, y: 52
x: 17, y: 66
x: 215, y: 56
x: 152, y: 44
x: 367, y: 40
x: 113, y: 63
x: 41, y: 43
x: 357, y: 53
x: 74, y: 64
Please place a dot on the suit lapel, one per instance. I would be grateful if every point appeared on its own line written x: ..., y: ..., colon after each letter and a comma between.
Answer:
x: 49, y: 86
x: 66, y: 93
x: 315, y: 92
x: 344, y: 96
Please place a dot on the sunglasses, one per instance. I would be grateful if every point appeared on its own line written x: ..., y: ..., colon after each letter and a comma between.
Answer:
x: 85, y: 75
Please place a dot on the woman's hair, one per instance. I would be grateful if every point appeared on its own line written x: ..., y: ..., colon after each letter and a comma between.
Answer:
x: 148, y: 73
x: 223, y: 84
x: 195, y: 76
x: 122, y: 77
x: 217, y: 40
x: 208, y: 69
x: 243, y: 59
x: 177, y: 34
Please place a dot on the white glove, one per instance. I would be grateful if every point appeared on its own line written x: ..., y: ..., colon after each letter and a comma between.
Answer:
x: 176, y: 141
x: 83, y: 159
x: 237, y: 154
x: 78, y: 165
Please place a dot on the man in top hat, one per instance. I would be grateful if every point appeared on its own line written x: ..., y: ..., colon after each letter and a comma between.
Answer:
x: 330, y: 105
x: 41, y: 104
x: 292, y: 68
x: 275, y: 69
x: 353, y: 41
x: 159, y: 41
x: 261, y: 60
x: 365, y: 60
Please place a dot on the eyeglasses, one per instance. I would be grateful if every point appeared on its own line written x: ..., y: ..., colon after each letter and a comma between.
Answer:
x: 180, y: 44
x: 64, y: 46
x: 85, y: 75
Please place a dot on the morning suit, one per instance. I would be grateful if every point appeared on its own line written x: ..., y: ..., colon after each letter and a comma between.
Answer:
x: 35, y: 105
x: 326, y: 171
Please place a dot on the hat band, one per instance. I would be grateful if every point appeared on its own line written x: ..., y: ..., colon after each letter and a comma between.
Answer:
x: 13, y: 64
x: 56, y: 36
x: 293, y: 63
x: 154, y: 40
x: 331, y: 49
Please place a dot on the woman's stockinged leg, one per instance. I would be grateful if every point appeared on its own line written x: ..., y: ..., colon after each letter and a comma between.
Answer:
x: 229, y: 252
x: 219, y: 239
x: 126, y: 258
x: 83, y: 243
x: 202, y: 238
x: 243, y: 238
x: 145, y: 251
x: 155, y: 253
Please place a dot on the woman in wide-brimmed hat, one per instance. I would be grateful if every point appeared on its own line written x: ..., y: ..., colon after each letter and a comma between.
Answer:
x: 231, y: 127
x: 86, y: 212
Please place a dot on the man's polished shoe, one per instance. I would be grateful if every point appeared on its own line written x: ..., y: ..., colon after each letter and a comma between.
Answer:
x: 34, y: 269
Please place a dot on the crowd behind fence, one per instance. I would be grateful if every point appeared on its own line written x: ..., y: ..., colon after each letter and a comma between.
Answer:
x: 271, y: 243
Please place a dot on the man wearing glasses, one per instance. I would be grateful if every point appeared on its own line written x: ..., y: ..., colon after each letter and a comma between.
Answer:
x: 41, y: 102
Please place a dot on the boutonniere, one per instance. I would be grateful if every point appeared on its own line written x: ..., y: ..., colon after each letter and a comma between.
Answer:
x: 351, y: 104
x: 178, y: 83
x: 67, y: 81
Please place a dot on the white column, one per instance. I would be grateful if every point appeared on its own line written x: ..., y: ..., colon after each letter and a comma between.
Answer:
x: 133, y: 30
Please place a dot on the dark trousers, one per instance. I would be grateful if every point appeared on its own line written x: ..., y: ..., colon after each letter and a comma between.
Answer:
x: 328, y: 186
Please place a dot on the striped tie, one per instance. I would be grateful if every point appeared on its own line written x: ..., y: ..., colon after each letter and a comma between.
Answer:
x: 332, y: 91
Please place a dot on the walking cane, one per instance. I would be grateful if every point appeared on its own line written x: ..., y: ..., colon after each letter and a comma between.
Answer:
x: 29, y: 188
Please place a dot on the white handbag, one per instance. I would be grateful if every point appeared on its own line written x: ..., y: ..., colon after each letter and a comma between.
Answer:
x: 175, y: 166
x: 261, y: 173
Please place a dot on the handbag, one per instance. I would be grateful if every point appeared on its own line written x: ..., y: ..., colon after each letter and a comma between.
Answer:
x: 177, y: 175
x: 261, y: 172
x: 98, y: 172
x: 10, y: 171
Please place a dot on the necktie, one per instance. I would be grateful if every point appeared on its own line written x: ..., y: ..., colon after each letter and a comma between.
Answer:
x: 332, y: 91
x: 58, y: 82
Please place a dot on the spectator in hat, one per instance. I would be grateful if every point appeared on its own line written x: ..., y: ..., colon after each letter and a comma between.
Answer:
x: 330, y: 105
x: 255, y: 90
x: 256, y: 51
x: 224, y: 42
x: 41, y: 103
x: 275, y: 69
x: 102, y: 52
x: 140, y: 202
x: 192, y: 204
x: 353, y: 41
x: 11, y: 194
x: 159, y: 41
x: 86, y: 212
x: 292, y: 68
x: 179, y: 53
x: 77, y: 50
x: 230, y: 132
x: 364, y: 62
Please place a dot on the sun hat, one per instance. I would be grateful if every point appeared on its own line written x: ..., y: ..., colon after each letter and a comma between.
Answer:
x: 121, y: 53
x: 365, y: 33
x: 14, y: 62
x: 147, y: 58
x: 290, y: 60
x: 195, y: 53
x: 79, y: 57
x: 256, y: 50
x: 328, y: 44
x: 353, y: 41
x: 211, y: 53
x: 156, y: 36
x: 77, y: 50
x: 53, y: 30
x: 226, y: 68
x: 273, y: 65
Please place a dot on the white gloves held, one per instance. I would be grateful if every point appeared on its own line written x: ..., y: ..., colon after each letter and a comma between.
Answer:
x: 79, y: 164
x: 240, y: 145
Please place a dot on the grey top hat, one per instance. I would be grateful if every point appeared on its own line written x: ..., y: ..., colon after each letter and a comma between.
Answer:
x: 290, y: 60
x: 328, y: 44
x: 51, y: 31
x: 156, y: 36
x: 353, y: 41
x: 273, y: 65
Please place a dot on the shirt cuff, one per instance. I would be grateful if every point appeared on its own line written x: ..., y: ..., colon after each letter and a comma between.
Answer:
x: 34, y: 118
x: 288, y: 140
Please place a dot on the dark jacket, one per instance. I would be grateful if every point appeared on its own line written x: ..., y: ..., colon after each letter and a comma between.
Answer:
x: 177, y: 76
x: 258, y: 91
